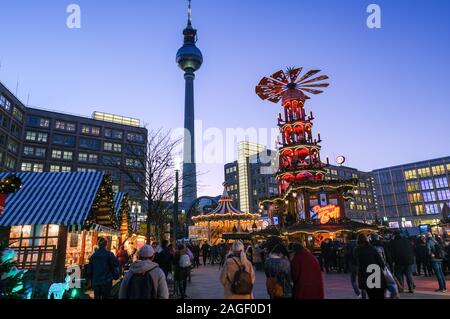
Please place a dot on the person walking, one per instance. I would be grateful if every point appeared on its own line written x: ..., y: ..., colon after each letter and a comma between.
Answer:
x: 437, y: 255
x: 103, y: 269
x: 306, y: 274
x: 258, y: 258
x: 237, y: 275
x: 164, y: 258
x: 205, y: 252
x: 421, y: 256
x: 403, y: 257
x: 145, y: 280
x: 352, y: 265
x: 327, y: 254
x: 123, y: 258
x: 278, y: 273
x: 182, y: 267
x: 366, y: 255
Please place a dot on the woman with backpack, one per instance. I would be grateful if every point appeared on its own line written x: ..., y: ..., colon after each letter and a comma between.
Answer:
x: 278, y: 273
x: 182, y: 267
x: 145, y: 280
x: 237, y: 275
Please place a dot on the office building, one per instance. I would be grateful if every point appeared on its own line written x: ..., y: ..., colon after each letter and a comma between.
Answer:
x: 413, y: 194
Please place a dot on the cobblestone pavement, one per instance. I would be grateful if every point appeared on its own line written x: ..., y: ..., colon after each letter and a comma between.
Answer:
x: 205, y: 285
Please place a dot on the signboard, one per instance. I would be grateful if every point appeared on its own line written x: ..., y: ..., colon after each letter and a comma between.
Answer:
x: 199, y: 232
x: 325, y: 213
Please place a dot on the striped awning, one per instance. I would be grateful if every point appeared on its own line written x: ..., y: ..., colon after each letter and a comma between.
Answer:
x: 51, y: 198
x: 118, y: 198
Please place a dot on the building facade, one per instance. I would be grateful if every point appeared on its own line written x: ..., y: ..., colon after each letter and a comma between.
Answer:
x: 413, y: 194
x: 363, y: 205
x: 12, y: 116
x: 38, y: 140
x: 251, y: 177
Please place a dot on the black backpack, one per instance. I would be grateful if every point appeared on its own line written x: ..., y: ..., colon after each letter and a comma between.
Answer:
x: 141, y: 286
x: 242, y: 281
x: 438, y: 251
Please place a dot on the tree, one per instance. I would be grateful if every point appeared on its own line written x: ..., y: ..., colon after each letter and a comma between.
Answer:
x: 11, y: 278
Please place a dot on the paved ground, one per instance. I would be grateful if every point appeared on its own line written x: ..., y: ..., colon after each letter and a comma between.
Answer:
x: 205, y: 285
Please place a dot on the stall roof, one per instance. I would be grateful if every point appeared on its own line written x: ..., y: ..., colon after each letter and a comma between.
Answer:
x: 51, y: 198
x: 118, y: 198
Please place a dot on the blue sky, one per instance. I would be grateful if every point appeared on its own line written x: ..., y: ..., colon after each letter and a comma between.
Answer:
x: 387, y: 103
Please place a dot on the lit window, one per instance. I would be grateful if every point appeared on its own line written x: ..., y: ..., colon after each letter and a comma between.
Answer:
x: 414, y: 198
x: 418, y: 209
x: 55, y: 168
x: 424, y: 172
x: 18, y: 114
x: 65, y: 169
x: 431, y: 209
x: 27, y: 167
x: 441, y: 182
x: 426, y: 184
x: 412, y: 186
x: 438, y: 170
x: 117, y: 147
x: 56, y: 154
x: 411, y: 174
x: 429, y: 196
x: 68, y: 155
x: 443, y: 194
x: 28, y: 151
x: 40, y: 152
x: 82, y: 157
x: 93, y: 158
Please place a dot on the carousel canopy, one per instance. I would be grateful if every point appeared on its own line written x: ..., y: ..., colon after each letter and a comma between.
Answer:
x: 51, y: 198
x: 225, y: 211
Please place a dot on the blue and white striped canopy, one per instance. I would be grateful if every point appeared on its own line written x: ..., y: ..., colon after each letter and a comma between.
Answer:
x: 51, y: 198
x: 118, y: 197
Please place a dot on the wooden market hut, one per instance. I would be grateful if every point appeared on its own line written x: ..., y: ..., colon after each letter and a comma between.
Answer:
x: 54, y: 220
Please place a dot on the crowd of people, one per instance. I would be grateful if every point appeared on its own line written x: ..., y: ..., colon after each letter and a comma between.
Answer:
x: 292, y: 271
x: 401, y: 258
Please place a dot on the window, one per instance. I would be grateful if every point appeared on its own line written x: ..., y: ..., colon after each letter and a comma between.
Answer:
x: 411, y: 174
x: 67, y: 155
x: 429, y: 196
x: 418, y: 209
x: 32, y: 167
x: 426, y: 184
x: 10, y: 162
x: 36, y: 136
x: 66, y: 169
x: 82, y: 157
x: 116, y: 134
x: 5, y: 103
x: 90, y: 144
x: 438, y: 170
x: 32, y: 151
x: 13, y: 146
x: 431, y: 209
x: 37, y: 121
x: 15, y: 129
x: 136, y: 163
x: 5, y: 122
x: 93, y: 158
x: 55, y: 168
x: 412, y: 186
x: 424, y: 172
x: 441, y: 182
x: 57, y: 154
x: 114, y: 147
x: 111, y: 160
x: 83, y: 169
x: 18, y: 114
x: 65, y: 126
x: 28, y: 151
x: 443, y: 194
x: 66, y: 140
x: 92, y: 130
x: 134, y: 137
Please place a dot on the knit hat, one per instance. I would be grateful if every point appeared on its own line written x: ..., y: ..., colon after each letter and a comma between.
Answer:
x: 146, y: 251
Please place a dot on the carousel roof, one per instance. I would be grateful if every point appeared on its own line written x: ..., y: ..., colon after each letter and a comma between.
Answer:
x: 225, y: 210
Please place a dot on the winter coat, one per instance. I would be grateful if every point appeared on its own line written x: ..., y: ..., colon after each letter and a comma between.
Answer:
x: 227, y: 275
x: 402, y: 251
x: 280, y: 268
x: 157, y: 275
x: 350, y: 256
x: 122, y: 257
x: 103, y: 267
x: 367, y: 255
x: 180, y: 273
x: 164, y: 260
x: 307, y: 276
x: 421, y: 251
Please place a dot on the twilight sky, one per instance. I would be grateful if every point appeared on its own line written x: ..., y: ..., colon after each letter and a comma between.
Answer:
x: 388, y: 102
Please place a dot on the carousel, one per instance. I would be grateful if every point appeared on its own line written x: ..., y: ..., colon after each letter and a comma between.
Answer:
x: 226, y: 222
